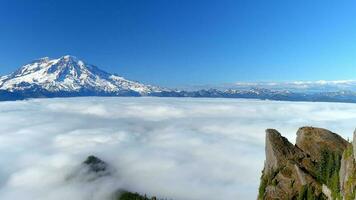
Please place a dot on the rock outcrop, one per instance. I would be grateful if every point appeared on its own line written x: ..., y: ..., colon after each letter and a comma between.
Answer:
x: 278, y: 150
x: 320, y: 165
x: 314, y: 141
x: 91, y: 169
x: 94, y: 169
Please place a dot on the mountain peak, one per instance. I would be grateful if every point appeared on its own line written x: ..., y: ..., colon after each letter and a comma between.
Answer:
x: 44, y: 59
x: 71, y: 75
x: 69, y: 58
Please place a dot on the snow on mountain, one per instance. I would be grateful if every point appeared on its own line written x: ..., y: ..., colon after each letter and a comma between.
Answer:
x: 69, y: 74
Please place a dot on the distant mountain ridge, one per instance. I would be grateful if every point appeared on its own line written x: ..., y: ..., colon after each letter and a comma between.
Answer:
x: 301, y: 86
x: 69, y: 76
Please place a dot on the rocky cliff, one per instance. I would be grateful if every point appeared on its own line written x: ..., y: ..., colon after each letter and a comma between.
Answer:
x: 321, y: 165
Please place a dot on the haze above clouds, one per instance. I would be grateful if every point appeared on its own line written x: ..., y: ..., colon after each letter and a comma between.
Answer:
x: 293, y: 86
x: 179, y: 148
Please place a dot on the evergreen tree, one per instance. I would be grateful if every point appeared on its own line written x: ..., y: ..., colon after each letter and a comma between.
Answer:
x: 303, y: 193
x: 310, y: 194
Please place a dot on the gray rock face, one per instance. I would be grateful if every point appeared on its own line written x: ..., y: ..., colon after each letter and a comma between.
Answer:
x: 327, y: 192
x: 278, y: 150
x: 300, y: 175
x: 354, y: 144
x: 346, y: 173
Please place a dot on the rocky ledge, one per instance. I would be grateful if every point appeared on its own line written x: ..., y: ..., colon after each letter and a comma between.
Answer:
x: 321, y: 165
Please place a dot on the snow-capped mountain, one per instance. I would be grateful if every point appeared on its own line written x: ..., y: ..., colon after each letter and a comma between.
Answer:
x: 68, y: 74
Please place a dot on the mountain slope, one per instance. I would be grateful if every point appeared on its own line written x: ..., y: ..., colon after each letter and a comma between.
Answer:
x: 70, y: 75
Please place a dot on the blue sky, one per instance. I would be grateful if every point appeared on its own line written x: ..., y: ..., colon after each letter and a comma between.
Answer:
x: 187, y: 42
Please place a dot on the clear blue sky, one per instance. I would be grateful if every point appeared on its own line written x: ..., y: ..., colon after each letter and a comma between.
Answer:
x: 183, y: 42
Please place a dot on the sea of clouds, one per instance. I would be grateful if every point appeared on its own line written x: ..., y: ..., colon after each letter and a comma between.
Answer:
x: 179, y: 148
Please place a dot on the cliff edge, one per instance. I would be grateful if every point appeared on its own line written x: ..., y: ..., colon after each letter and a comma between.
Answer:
x: 321, y: 165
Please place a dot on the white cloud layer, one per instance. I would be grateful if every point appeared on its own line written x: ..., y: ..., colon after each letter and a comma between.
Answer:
x: 180, y: 148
